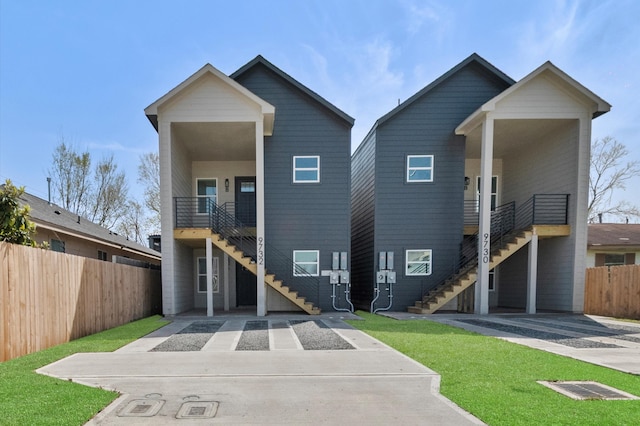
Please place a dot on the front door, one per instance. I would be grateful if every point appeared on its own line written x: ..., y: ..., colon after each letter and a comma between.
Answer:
x: 246, y: 285
x: 246, y: 200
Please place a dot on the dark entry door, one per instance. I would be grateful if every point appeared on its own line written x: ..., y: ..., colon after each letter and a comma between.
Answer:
x: 246, y: 200
x: 246, y: 284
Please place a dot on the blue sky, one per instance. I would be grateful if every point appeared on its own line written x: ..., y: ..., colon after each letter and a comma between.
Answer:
x: 86, y: 70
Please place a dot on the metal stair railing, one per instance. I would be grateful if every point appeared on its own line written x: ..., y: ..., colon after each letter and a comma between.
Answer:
x: 506, y: 223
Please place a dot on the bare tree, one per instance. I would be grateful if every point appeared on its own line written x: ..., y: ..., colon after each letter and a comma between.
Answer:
x: 133, y: 223
x: 149, y: 176
x: 609, y: 172
x: 108, y: 197
x: 70, y: 174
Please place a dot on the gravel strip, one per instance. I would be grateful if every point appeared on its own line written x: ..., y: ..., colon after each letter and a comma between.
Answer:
x: 191, y: 338
x: 317, y: 336
x: 255, y: 337
x: 542, y: 335
x: 603, y: 332
x: 628, y: 329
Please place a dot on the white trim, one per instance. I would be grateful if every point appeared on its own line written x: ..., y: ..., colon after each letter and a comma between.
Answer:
x: 215, y: 274
x: 300, y: 264
x: 306, y: 169
x: 409, y: 169
x: 198, y: 196
x: 428, y: 262
x: 497, y: 203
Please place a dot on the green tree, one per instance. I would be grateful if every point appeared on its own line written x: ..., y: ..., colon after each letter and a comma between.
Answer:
x: 15, y: 226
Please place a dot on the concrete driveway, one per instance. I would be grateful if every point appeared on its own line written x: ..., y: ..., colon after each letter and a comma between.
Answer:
x: 309, y: 371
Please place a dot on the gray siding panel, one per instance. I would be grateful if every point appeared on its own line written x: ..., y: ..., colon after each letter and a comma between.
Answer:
x: 303, y: 216
x: 363, y: 223
x: 426, y: 215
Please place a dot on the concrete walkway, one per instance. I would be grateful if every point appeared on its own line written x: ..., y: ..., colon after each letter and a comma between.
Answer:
x: 597, y: 340
x: 368, y: 384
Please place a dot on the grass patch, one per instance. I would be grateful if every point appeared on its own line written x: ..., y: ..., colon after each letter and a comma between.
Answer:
x: 495, y: 380
x: 30, y: 398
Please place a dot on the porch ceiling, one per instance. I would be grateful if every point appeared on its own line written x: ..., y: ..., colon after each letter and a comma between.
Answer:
x: 511, y: 135
x: 217, y: 141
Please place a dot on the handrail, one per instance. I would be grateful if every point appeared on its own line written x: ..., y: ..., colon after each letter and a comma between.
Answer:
x: 203, y: 212
x: 506, y: 221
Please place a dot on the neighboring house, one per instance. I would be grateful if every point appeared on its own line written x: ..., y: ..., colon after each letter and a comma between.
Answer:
x: 613, y: 244
x: 69, y: 233
x: 419, y: 191
x: 254, y: 174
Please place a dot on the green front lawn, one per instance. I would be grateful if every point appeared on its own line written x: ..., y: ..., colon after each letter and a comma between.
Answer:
x: 496, y: 380
x: 33, y: 399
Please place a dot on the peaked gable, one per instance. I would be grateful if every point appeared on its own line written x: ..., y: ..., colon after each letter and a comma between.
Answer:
x: 267, y: 109
x: 261, y: 61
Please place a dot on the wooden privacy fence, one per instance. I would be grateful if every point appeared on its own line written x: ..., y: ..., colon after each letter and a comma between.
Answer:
x: 613, y: 291
x: 48, y: 298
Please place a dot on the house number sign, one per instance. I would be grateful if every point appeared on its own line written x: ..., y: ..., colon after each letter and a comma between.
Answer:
x: 260, y: 251
x: 485, y: 248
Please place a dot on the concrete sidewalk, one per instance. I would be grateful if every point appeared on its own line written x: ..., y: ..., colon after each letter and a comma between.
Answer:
x: 371, y: 384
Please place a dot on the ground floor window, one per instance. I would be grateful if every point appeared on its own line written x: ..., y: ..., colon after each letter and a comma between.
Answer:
x: 492, y: 280
x: 418, y: 262
x: 102, y: 255
x: 614, y: 259
x: 202, y: 274
x: 306, y: 262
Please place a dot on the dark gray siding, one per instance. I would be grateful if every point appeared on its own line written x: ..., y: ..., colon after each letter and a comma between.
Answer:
x: 363, y: 222
x: 427, y: 215
x: 303, y: 216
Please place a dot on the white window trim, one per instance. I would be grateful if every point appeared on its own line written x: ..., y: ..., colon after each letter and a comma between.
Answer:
x: 406, y: 263
x: 215, y: 276
x: 317, y: 263
x: 306, y: 169
x: 409, y: 169
x: 215, y: 198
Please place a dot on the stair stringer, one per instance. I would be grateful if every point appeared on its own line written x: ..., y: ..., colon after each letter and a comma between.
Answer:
x: 440, y: 297
x: 269, y: 278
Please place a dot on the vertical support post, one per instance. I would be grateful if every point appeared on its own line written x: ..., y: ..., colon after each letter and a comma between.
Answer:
x: 532, y: 275
x: 261, y: 309
x: 225, y: 268
x: 209, y: 251
x: 481, y: 305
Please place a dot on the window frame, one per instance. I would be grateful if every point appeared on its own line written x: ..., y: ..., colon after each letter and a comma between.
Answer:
x: 103, y: 255
x: 297, y: 264
x: 419, y: 168
x: 198, y: 196
x: 60, y: 243
x: 215, y: 276
x: 306, y: 169
x: 494, y: 195
x: 429, y: 263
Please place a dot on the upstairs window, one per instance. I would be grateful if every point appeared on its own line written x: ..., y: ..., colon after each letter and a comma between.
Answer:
x: 306, y: 169
x: 419, y: 168
x: 418, y: 262
x: 207, y: 193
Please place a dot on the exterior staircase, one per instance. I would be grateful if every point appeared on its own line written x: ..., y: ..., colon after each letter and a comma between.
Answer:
x: 468, y: 274
x: 270, y: 279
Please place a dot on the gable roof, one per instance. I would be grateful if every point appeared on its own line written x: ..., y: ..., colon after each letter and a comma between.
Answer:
x: 474, y: 57
x: 267, y: 109
x: 600, y: 105
x: 262, y: 61
x: 55, y: 218
x: 613, y: 235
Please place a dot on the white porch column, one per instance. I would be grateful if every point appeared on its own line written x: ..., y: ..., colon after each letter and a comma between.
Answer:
x: 225, y: 267
x: 209, y: 251
x: 532, y: 275
x: 484, y: 225
x: 260, y: 287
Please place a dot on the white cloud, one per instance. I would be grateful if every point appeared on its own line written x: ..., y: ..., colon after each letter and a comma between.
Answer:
x: 114, y: 146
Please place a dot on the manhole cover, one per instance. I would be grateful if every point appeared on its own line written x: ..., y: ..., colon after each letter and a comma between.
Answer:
x: 587, y: 390
x: 197, y: 410
x: 141, y: 408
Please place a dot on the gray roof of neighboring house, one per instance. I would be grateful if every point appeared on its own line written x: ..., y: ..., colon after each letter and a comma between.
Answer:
x: 50, y: 214
x: 261, y: 60
x: 613, y: 235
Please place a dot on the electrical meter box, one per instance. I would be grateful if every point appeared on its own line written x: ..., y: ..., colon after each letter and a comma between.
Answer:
x: 382, y: 261
x: 343, y: 261
x: 381, y: 277
x: 335, y: 260
x: 391, y: 277
x: 389, y: 260
x: 344, y: 277
x: 334, y: 277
